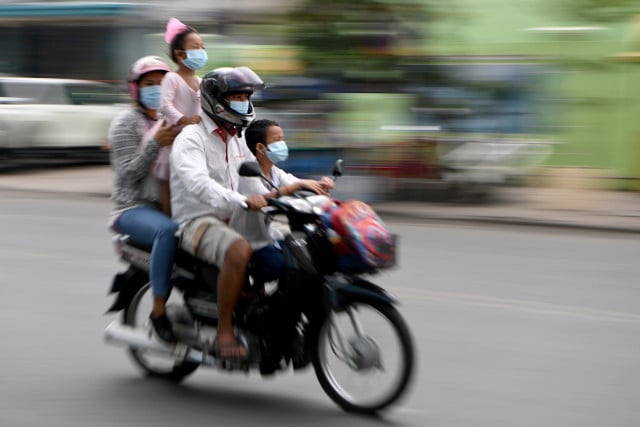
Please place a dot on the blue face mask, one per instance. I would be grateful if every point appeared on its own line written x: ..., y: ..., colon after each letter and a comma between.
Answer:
x: 150, y: 97
x: 277, y: 151
x: 196, y: 59
x: 241, y: 107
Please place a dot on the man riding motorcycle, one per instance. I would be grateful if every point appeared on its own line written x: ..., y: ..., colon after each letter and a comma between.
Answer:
x: 204, y: 179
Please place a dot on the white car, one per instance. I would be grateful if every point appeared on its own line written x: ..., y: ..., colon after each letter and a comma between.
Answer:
x: 56, y: 117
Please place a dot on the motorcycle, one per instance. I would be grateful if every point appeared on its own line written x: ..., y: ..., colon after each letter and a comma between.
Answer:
x: 346, y: 327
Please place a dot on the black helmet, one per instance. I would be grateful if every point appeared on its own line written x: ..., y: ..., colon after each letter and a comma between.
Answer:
x: 225, y: 81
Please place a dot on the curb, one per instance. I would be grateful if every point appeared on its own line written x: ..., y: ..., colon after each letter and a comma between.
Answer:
x: 508, y: 221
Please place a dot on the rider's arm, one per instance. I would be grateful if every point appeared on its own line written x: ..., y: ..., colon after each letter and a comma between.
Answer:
x: 290, y: 183
x: 287, y: 183
x: 129, y: 162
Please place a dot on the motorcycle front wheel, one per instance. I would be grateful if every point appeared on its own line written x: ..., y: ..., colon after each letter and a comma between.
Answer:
x: 364, y: 357
x: 157, y: 365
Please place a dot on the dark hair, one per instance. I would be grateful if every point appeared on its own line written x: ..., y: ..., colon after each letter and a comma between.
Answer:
x: 178, y: 42
x: 257, y: 132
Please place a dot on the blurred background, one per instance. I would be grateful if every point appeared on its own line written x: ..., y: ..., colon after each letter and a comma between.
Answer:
x: 522, y: 115
x: 420, y: 97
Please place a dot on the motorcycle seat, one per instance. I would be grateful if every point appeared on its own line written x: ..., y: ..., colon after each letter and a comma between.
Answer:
x: 185, y: 263
x: 183, y: 258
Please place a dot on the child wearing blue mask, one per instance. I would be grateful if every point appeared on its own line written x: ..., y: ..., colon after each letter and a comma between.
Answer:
x: 181, y: 88
x: 265, y: 140
x: 180, y: 91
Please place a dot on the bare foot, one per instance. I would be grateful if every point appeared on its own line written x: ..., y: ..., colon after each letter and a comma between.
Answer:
x: 229, y: 349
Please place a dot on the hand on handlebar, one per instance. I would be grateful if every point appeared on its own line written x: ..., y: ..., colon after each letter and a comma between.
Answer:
x: 255, y: 202
x: 309, y: 184
x: 327, y: 183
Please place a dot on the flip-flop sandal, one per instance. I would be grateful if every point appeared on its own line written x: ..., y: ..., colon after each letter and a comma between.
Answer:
x: 219, y: 349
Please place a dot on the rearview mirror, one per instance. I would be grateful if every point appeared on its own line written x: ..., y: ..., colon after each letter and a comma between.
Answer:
x: 337, y: 168
x: 250, y: 169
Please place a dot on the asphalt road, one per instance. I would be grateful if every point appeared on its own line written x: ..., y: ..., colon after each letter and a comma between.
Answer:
x: 514, y: 327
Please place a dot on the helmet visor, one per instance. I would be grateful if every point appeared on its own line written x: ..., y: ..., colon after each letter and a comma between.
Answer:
x: 240, y: 79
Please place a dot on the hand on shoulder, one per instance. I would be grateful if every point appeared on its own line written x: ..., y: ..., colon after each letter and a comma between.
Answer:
x: 166, y: 134
x: 193, y: 120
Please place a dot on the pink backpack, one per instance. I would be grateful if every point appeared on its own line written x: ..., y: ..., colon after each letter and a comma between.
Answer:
x: 359, y: 237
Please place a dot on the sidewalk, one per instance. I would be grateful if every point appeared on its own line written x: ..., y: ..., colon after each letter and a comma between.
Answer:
x: 554, y: 207
x: 85, y: 180
x: 550, y: 207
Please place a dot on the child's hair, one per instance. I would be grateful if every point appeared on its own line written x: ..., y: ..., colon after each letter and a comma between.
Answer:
x: 178, y: 42
x: 257, y: 132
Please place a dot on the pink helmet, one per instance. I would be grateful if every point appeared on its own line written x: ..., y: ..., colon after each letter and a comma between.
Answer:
x: 141, y: 67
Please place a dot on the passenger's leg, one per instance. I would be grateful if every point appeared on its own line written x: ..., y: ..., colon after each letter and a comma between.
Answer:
x: 163, y: 255
x: 150, y: 227
x: 267, y: 263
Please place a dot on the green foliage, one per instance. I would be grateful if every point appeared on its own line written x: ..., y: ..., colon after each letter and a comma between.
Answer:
x: 600, y: 10
x: 346, y: 37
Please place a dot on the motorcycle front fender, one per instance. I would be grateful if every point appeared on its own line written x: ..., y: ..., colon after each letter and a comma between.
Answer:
x: 125, y: 285
x: 341, y: 293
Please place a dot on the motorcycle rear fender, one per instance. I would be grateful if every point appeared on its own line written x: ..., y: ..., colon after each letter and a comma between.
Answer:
x: 341, y: 293
x: 126, y: 284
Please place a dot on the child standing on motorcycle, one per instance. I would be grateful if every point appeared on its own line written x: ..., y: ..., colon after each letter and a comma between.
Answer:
x: 180, y: 91
x: 181, y: 88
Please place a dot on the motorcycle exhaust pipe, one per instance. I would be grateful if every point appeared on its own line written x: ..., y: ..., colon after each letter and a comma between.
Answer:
x: 118, y: 334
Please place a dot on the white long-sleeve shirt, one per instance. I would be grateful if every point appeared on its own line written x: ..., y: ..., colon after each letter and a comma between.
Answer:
x: 204, y: 172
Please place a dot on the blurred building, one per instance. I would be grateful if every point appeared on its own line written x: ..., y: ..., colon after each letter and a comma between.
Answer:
x: 587, y: 80
x: 472, y: 70
x: 99, y: 40
x: 67, y: 39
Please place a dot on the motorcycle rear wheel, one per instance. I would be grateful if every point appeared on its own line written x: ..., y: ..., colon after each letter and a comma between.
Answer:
x: 371, y: 369
x: 159, y: 366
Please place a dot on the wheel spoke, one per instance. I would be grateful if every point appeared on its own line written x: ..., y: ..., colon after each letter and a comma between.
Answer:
x: 338, y: 348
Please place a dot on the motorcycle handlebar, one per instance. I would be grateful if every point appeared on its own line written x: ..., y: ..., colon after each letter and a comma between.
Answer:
x: 280, y: 205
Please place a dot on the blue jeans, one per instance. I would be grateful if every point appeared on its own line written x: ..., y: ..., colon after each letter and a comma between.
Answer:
x: 150, y: 227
